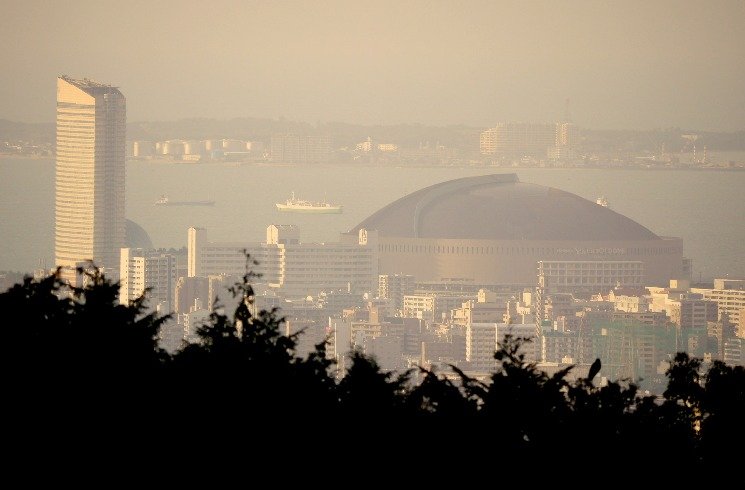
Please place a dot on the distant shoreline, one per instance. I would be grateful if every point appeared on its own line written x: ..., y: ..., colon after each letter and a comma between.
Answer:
x: 430, y: 165
x: 157, y: 161
x: 8, y: 156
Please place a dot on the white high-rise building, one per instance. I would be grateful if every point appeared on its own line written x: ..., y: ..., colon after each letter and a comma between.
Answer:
x: 89, y: 177
x: 147, y: 269
x: 730, y: 297
x: 288, y: 266
x: 483, y: 339
x: 519, y: 139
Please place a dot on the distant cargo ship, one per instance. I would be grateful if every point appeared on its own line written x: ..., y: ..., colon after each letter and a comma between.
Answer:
x: 164, y: 201
x: 296, y: 205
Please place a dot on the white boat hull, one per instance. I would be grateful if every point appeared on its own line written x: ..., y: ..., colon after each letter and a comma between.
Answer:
x: 294, y: 205
x: 310, y: 209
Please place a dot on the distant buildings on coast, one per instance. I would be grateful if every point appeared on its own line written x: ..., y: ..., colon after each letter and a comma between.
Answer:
x: 507, y: 141
x: 198, y: 150
x: 507, y: 144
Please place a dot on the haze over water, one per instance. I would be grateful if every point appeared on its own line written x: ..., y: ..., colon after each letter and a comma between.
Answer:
x: 704, y: 208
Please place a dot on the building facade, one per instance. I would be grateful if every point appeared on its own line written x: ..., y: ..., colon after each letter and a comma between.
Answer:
x: 295, y: 148
x: 589, y: 275
x: 483, y: 339
x: 89, y: 176
x: 519, y: 139
x: 288, y: 266
x: 151, y: 270
x: 730, y: 298
x: 394, y: 287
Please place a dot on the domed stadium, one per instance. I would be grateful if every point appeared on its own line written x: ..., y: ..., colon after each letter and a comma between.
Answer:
x: 136, y: 236
x: 494, y: 229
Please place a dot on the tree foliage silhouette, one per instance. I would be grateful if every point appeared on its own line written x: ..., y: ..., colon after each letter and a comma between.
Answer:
x: 60, y: 338
x: 69, y: 346
x: 246, y: 358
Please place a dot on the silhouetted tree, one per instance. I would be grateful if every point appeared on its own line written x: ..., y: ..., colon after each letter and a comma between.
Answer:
x: 722, y: 420
x: 533, y: 402
x: 61, y: 340
x: 367, y: 391
x: 245, y: 361
x: 437, y: 396
x: 67, y: 349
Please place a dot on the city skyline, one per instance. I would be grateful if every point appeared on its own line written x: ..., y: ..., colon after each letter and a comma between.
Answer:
x: 468, y: 248
x: 531, y: 219
x: 629, y: 65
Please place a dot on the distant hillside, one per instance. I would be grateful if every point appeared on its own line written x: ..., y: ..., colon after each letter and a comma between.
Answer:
x: 37, y: 133
x: 202, y: 128
x: 652, y: 140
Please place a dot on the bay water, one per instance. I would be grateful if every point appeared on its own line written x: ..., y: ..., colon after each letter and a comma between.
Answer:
x: 706, y: 208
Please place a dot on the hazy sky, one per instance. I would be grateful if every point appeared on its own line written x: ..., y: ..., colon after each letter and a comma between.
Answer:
x: 623, y: 64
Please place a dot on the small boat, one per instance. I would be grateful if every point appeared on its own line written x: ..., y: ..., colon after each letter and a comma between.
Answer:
x: 602, y: 201
x: 296, y: 205
x: 163, y: 200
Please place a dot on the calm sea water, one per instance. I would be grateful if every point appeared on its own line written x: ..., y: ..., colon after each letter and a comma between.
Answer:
x: 705, y: 208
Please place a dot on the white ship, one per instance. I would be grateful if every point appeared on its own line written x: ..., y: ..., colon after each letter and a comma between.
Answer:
x: 296, y: 205
x: 602, y: 201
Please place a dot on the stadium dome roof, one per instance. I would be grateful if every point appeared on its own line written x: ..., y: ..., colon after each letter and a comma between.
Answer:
x: 136, y: 236
x: 500, y: 207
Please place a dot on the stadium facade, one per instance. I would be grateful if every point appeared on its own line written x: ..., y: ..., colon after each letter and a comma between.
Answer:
x: 494, y: 229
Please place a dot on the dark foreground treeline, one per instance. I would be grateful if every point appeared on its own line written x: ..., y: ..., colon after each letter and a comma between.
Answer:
x: 67, y: 355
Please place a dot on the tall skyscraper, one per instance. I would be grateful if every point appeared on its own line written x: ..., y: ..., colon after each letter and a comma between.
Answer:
x: 89, y: 185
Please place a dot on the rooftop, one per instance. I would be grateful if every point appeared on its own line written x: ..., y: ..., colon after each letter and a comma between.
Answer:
x: 500, y: 207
